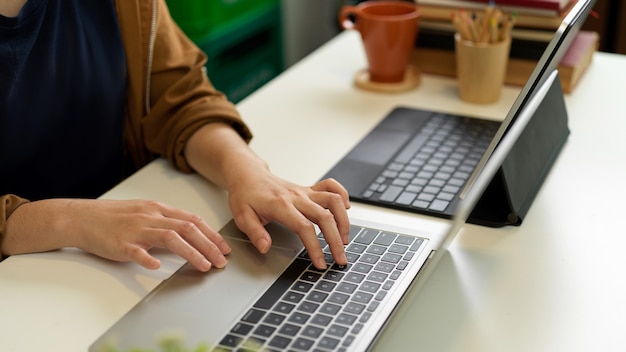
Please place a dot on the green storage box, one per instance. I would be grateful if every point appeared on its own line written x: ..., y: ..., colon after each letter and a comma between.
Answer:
x: 199, y: 17
x: 246, y: 53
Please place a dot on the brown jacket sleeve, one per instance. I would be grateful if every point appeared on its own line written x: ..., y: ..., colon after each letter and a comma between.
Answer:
x: 8, y: 204
x: 181, y: 97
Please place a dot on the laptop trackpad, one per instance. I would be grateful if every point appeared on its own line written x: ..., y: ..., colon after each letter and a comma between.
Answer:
x: 186, y: 305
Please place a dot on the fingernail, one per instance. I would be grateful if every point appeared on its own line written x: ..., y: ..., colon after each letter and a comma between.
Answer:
x: 262, y: 245
x: 320, y: 263
x: 343, y: 259
x: 220, y: 263
x: 205, y: 265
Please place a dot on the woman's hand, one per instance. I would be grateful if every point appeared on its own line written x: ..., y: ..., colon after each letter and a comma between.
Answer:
x: 263, y: 197
x: 120, y: 230
x: 257, y: 196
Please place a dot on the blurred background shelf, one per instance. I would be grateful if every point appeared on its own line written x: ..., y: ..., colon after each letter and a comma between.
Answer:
x: 249, y: 42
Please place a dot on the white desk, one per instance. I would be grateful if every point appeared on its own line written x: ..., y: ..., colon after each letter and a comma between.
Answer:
x: 554, y: 284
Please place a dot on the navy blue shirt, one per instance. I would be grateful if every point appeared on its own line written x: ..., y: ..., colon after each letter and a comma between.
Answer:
x: 62, y: 99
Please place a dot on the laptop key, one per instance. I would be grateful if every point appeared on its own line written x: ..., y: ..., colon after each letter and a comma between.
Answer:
x: 253, y: 316
x: 264, y: 330
x: 325, y: 286
x: 338, y: 298
x: 312, y: 331
x: 242, y: 329
x: 362, y: 268
x: 337, y: 330
x: 347, y: 319
x: 272, y: 319
x: 398, y: 248
x: 303, y: 344
x: 362, y: 297
x: 289, y: 330
x: 231, y: 341
x: 279, y: 342
x: 366, y: 236
x: 370, y: 258
x: 328, y: 343
x: 299, y: 318
x: 379, y: 250
x: 321, y: 320
x: 311, y: 276
x: 384, y: 267
x: 284, y: 308
x: 330, y: 309
x: 293, y: 297
x: 308, y: 307
x: 354, y: 308
x: 302, y: 286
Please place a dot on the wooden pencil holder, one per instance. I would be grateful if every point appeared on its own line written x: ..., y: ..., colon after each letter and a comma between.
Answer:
x: 481, y: 69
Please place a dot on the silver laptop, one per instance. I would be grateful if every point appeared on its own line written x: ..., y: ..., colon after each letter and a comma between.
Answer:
x: 279, y: 301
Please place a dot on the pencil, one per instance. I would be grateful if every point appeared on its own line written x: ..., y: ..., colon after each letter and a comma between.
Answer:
x: 485, y: 22
x: 493, y: 30
x: 471, y: 24
x: 490, y: 27
x: 507, y: 27
x: 461, y: 27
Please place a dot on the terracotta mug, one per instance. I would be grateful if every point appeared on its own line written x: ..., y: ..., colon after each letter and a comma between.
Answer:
x: 389, y: 30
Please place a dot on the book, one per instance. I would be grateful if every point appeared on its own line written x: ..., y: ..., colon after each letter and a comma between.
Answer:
x: 556, y: 5
x: 571, y: 68
x: 525, y: 43
x: 577, y: 58
x: 441, y: 12
x: 533, y: 7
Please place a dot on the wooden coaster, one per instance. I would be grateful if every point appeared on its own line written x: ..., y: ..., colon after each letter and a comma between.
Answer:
x: 411, y: 80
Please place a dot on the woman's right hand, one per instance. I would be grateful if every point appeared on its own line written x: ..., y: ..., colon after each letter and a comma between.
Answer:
x: 120, y: 230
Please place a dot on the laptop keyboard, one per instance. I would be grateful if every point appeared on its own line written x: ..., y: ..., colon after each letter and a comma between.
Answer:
x: 307, y: 309
x: 432, y: 169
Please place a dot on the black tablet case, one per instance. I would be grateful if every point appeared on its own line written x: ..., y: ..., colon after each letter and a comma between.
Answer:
x: 508, y: 197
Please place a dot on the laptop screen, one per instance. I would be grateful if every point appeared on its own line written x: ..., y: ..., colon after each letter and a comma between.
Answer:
x: 547, y: 63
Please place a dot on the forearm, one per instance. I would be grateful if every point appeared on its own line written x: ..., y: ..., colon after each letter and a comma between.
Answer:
x: 36, y: 227
x: 218, y: 153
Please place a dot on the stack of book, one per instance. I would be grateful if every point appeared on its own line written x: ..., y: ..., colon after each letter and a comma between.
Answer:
x: 535, y: 24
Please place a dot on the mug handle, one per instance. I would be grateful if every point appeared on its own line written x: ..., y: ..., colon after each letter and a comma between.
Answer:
x: 346, y: 15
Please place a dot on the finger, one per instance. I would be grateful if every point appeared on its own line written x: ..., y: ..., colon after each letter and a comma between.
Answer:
x: 333, y: 186
x: 211, y: 235
x: 327, y: 224
x: 300, y: 218
x: 172, y: 240
x: 250, y: 224
x: 335, y: 205
x: 142, y: 257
